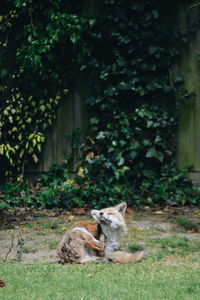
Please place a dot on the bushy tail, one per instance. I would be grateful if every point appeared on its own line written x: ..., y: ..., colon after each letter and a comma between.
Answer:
x: 122, y: 257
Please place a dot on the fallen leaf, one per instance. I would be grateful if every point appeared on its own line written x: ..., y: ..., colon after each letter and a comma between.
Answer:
x: 79, y: 211
x: 129, y: 211
x: 173, y: 211
x: 136, y: 229
x: 197, y: 213
x: 71, y: 181
x: 90, y: 275
x: 2, y: 283
x: 195, y: 230
x: 64, y: 228
x: 90, y: 155
x: 147, y: 207
x: 71, y: 218
x: 158, y: 212
x: 65, y: 212
x: 50, y: 213
x: 63, y: 218
x: 81, y: 172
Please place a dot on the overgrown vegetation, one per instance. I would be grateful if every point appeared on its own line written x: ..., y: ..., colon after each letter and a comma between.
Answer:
x: 129, y: 153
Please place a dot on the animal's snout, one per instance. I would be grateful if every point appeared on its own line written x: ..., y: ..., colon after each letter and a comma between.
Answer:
x: 101, y: 214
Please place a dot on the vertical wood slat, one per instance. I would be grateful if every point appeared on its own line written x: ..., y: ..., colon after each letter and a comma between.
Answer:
x: 72, y: 113
x: 189, y: 113
x: 196, y: 51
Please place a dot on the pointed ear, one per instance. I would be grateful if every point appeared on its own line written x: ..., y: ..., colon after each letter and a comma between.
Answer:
x: 121, y: 208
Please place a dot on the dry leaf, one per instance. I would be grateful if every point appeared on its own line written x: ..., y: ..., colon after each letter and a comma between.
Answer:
x: 2, y: 282
x: 197, y: 213
x: 79, y: 211
x: 50, y: 213
x: 129, y: 211
x: 158, y: 212
x: 194, y: 230
x: 90, y: 275
x: 136, y: 229
x: 90, y: 155
x: 71, y: 218
x: 174, y: 211
x: 63, y: 218
x: 147, y: 207
x: 81, y: 172
x: 65, y: 212
x: 64, y: 228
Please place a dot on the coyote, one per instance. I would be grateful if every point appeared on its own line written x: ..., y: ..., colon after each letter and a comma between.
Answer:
x: 97, y: 241
x: 113, y: 227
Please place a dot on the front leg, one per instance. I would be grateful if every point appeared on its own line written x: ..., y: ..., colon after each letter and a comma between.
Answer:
x: 95, y: 244
x: 102, y: 245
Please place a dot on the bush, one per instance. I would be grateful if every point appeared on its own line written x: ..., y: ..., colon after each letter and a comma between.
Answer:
x: 129, y: 153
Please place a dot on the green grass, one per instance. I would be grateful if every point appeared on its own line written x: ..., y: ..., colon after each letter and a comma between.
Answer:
x: 52, y: 244
x: 185, y: 223
x: 170, y: 270
x: 142, y: 281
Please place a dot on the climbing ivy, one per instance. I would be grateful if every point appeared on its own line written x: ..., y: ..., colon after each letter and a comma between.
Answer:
x: 130, y: 153
x: 124, y: 50
x: 36, y: 70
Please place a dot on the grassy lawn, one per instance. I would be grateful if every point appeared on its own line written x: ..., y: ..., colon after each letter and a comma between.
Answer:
x: 145, y: 280
x: 171, y: 269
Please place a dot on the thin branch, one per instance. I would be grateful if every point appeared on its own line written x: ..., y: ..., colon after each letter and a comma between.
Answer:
x: 171, y: 80
x: 11, y: 247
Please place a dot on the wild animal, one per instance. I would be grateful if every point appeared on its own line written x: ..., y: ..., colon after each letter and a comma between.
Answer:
x: 82, y: 243
x: 113, y: 227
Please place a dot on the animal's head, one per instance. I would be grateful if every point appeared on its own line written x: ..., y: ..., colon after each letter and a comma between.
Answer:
x: 111, y: 218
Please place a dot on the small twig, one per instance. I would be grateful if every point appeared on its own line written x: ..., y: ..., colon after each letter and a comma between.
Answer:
x: 20, y: 246
x: 171, y: 80
x: 30, y: 14
x: 10, y: 249
x: 23, y: 165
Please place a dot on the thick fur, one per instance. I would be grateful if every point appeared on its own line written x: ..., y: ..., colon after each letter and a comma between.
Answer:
x: 113, y: 227
x: 97, y: 241
x: 82, y: 243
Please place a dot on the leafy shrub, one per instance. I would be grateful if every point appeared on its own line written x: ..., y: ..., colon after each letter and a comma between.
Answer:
x: 56, y: 175
x: 129, y: 153
x: 133, y: 159
x: 65, y: 196
x: 14, y: 195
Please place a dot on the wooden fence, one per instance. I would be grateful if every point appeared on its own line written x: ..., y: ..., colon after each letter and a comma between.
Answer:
x: 189, y: 113
x: 72, y: 112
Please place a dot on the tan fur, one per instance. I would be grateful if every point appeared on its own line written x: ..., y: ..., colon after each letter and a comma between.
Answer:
x: 90, y: 226
x: 81, y: 243
x: 113, y: 227
x: 123, y: 257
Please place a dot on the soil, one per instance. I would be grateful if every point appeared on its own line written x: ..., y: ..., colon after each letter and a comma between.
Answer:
x: 32, y: 236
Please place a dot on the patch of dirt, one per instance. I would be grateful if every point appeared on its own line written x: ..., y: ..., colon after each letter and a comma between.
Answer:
x: 30, y: 238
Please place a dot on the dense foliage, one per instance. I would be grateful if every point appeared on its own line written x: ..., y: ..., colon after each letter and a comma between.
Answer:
x: 124, y: 51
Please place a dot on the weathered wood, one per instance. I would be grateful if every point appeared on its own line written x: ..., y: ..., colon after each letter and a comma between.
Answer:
x: 65, y: 125
x: 195, y: 177
x: 189, y: 113
x: 72, y: 113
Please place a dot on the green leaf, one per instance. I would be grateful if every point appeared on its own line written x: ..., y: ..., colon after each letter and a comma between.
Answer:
x: 121, y: 161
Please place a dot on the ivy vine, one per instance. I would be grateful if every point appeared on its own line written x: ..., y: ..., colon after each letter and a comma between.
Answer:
x: 124, y: 50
